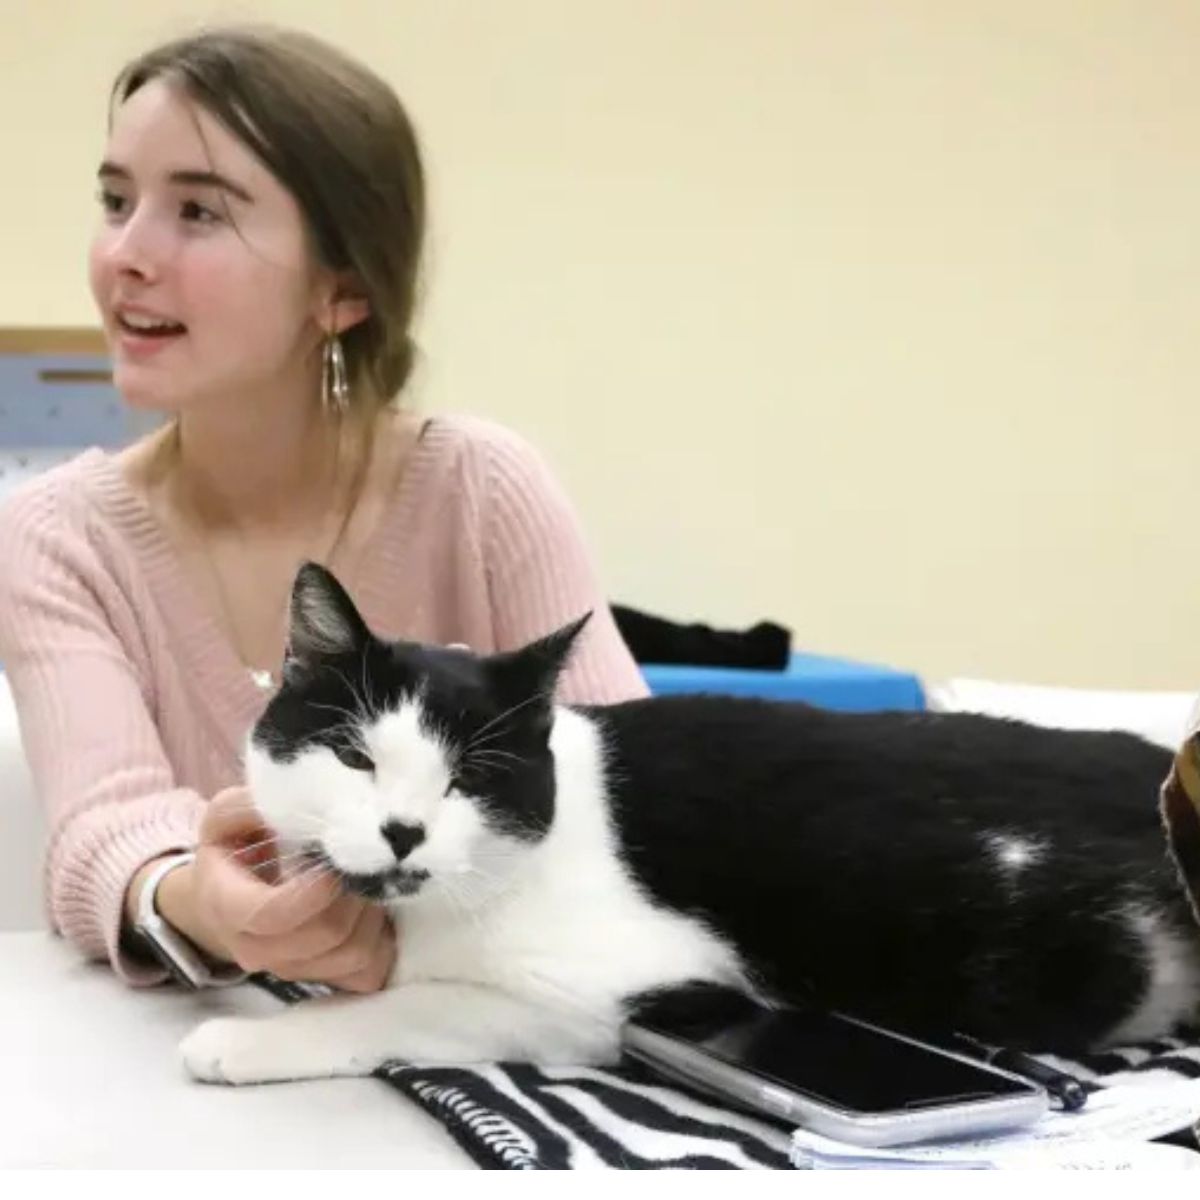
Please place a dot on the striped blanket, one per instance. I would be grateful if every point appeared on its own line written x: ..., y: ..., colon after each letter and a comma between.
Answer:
x: 513, y: 1116
x: 519, y: 1117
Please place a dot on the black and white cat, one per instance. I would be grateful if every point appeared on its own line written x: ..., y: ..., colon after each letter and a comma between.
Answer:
x: 550, y: 867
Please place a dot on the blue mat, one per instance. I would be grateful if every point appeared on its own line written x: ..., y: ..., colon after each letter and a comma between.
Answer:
x: 828, y: 682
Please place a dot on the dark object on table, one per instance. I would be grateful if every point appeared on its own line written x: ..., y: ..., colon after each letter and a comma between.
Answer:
x: 1180, y: 807
x: 765, y: 646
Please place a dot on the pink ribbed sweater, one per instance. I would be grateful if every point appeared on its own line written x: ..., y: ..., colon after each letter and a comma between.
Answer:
x: 134, y: 705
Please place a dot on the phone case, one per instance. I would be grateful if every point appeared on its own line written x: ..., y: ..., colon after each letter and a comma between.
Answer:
x: 687, y: 1064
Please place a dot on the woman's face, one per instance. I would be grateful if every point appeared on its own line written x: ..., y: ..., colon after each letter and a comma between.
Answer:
x: 200, y: 266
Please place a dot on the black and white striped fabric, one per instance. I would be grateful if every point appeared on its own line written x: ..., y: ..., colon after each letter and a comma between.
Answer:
x: 528, y: 1118
x: 519, y: 1117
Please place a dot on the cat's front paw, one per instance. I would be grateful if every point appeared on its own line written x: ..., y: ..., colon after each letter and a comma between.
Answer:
x: 223, y: 1051
x: 264, y: 1050
x: 237, y: 1050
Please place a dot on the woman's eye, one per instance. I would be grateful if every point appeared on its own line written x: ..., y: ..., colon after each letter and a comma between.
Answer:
x: 112, y: 203
x: 191, y: 210
x: 355, y: 759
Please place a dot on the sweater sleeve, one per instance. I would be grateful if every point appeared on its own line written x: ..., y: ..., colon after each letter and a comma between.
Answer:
x: 541, y: 575
x: 98, y: 764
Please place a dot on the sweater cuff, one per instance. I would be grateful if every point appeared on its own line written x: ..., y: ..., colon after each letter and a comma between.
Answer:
x: 97, y: 857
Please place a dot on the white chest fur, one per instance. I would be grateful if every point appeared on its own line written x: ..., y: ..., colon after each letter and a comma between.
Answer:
x: 573, y: 928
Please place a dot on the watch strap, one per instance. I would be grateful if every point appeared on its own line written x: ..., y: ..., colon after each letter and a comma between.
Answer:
x: 185, y: 962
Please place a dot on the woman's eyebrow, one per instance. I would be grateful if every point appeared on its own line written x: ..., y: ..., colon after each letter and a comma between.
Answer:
x: 112, y: 170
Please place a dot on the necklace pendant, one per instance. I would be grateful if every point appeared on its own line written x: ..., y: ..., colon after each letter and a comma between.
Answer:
x: 263, y: 680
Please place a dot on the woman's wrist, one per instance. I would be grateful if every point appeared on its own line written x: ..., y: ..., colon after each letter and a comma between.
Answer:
x: 176, y: 903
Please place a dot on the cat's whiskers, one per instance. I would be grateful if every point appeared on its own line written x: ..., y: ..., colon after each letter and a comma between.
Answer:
x: 482, y: 758
x: 508, y: 712
x: 349, y: 738
x: 279, y: 861
x: 366, y: 687
x: 249, y: 849
x: 492, y: 754
x: 311, y: 825
x: 496, y: 752
x: 366, y: 711
x: 305, y: 879
x: 350, y: 719
x: 477, y: 742
x: 314, y: 874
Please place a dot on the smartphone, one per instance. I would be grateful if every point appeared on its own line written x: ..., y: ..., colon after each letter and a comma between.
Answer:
x: 832, y: 1073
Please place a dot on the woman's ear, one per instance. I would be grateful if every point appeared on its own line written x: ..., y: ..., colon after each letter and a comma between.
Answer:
x: 341, y: 305
x: 348, y: 311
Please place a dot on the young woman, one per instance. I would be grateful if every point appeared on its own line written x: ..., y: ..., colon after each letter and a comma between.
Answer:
x: 255, y: 270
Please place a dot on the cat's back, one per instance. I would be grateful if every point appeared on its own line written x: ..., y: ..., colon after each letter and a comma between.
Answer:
x: 721, y: 772
x: 705, y: 744
x: 887, y: 858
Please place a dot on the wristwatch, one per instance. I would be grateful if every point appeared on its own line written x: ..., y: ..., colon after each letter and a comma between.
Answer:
x: 184, y: 960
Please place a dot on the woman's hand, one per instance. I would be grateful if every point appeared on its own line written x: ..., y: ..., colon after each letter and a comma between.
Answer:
x: 233, y: 905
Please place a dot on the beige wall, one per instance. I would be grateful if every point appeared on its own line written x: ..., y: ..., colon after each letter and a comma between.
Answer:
x: 876, y: 318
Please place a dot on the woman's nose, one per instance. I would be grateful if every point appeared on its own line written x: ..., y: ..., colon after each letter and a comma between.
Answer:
x: 136, y: 247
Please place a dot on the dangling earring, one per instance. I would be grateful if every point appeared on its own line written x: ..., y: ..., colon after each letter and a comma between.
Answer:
x: 335, y: 388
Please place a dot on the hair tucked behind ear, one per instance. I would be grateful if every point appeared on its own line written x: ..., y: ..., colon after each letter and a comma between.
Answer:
x: 337, y: 137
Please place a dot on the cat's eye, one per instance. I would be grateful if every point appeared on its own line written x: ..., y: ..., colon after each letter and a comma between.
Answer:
x: 466, y: 780
x: 354, y: 758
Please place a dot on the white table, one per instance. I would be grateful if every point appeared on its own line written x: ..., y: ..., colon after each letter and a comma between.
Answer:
x: 91, y: 1078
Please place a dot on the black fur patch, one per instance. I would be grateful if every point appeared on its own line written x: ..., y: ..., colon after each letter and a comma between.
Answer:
x: 845, y: 855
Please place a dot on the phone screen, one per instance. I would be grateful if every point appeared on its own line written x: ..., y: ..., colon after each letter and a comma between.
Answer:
x: 839, y: 1061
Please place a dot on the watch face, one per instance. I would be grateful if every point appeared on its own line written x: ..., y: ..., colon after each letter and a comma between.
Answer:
x: 163, y: 954
x: 176, y: 972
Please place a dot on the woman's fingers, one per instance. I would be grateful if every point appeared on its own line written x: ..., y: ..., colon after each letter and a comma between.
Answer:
x: 231, y: 819
x: 312, y: 941
x: 377, y: 970
x: 303, y: 927
x: 361, y: 961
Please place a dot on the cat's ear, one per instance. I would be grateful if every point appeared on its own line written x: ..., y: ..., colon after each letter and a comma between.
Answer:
x: 533, y: 671
x: 323, y: 619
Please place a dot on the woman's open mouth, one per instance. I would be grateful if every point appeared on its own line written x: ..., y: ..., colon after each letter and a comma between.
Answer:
x: 140, y: 331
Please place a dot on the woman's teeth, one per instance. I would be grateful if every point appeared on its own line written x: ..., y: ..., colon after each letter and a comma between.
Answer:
x: 147, y: 325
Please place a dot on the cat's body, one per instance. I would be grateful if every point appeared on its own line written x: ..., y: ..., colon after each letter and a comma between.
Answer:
x: 931, y: 870
x: 936, y: 871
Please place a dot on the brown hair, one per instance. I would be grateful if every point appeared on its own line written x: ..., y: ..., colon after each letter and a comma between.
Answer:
x: 337, y: 137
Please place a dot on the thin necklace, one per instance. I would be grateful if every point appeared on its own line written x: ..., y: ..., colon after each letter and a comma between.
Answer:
x: 262, y: 678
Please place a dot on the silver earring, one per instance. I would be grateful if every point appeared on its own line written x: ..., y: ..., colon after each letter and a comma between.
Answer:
x: 335, y: 388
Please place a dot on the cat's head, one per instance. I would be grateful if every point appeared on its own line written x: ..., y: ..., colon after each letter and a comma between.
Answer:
x: 409, y: 770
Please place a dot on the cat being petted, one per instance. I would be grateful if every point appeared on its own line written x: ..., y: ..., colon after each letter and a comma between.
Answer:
x: 552, y: 868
